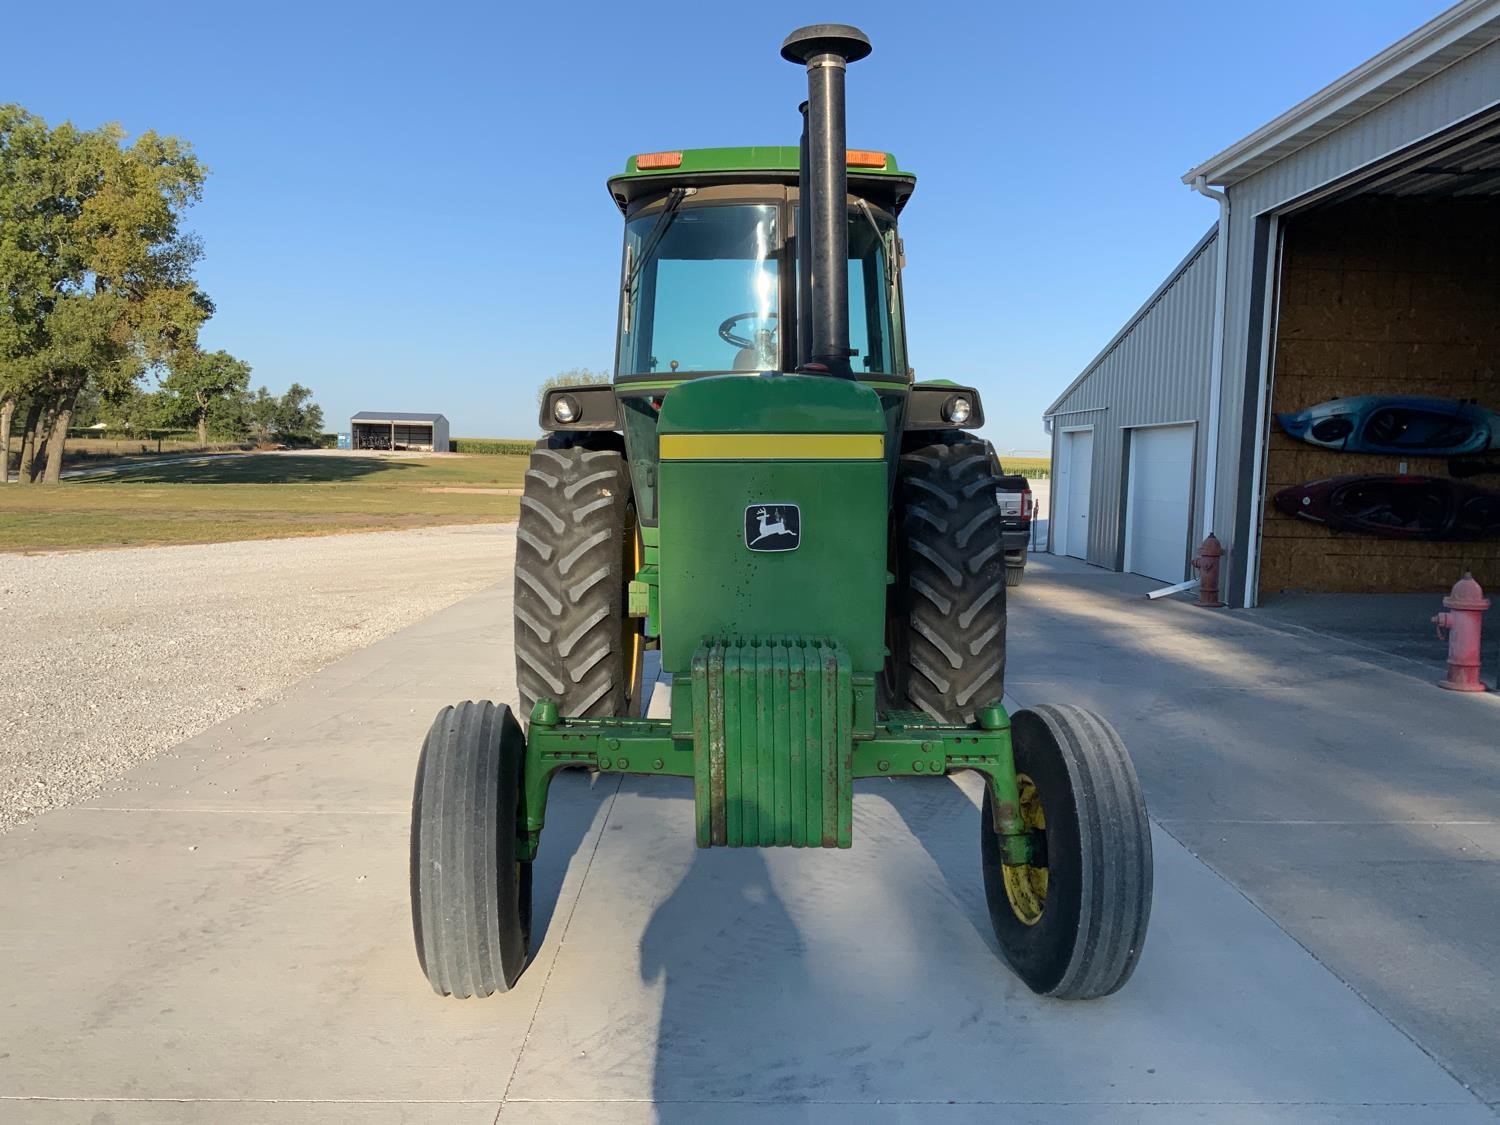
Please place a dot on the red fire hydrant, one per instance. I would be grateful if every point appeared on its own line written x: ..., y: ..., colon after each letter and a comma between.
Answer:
x: 1207, y: 566
x: 1464, y: 619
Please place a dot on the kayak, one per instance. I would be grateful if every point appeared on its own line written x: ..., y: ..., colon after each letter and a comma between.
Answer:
x: 1396, y: 507
x: 1423, y: 427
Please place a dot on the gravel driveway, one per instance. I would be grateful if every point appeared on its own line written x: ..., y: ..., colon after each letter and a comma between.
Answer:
x: 112, y: 656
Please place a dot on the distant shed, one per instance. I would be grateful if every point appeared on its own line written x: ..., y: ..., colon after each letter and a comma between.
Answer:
x: 393, y: 429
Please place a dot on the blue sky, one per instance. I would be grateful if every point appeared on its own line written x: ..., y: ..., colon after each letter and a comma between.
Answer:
x: 407, y: 207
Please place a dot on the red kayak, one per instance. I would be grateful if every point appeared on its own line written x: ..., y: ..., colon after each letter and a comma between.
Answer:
x: 1404, y: 507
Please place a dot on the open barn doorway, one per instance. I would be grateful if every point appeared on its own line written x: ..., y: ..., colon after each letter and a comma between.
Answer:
x: 1385, y: 385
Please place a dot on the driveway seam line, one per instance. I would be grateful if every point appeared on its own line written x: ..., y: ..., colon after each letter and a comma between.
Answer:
x: 734, y: 1101
x: 1329, y: 969
x: 562, y: 940
x: 1419, y: 822
x: 991, y: 1101
x: 246, y: 810
x: 1376, y: 658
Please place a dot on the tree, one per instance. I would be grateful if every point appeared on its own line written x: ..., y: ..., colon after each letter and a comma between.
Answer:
x: 260, y: 414
x: 96, y: 280
x: 574, y: 377
x: 199, y: 381
x: 299, y: 417
x: 133, y: 409
x: 292, y: 417
x: 17, y: 377
x: 87, y: 338
x: 37, y: 178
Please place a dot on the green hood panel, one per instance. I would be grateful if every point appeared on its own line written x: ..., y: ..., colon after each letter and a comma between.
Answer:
x: 773, y: 514
x: 772, y: 404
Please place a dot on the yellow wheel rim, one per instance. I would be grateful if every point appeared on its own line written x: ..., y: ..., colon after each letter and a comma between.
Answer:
x: 637, y: 636
x: 635, y: 656
x: 1026, y: 886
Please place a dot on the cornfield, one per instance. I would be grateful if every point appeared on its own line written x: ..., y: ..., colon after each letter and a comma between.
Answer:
x: 1032, y: 468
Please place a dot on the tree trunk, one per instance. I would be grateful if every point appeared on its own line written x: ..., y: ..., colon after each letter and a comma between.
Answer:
x: 39, y: 450
x: 59, y: 440
x: 203, y: 430
x: 28, y: 443
x: 7, y: 413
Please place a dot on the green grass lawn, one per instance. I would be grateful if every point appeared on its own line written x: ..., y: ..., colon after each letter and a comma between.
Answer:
x: 260, y: 496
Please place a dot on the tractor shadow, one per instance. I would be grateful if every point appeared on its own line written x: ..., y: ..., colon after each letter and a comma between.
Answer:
x: 278, y: 468
x: 757, y: 1009
x: 572, y: 808
x: 944, y: 822
x: 731, y: 965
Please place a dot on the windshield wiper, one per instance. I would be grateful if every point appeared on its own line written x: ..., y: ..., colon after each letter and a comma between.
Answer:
x: 663, y: 221
x: 891, y: 279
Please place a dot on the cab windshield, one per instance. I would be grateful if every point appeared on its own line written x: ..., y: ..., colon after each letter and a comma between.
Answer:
x: 707, y: 297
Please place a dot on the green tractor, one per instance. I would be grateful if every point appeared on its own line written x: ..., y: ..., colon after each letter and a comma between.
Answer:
x: 811, y: 543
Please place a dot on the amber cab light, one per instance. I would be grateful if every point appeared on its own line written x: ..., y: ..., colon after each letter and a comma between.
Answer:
x: 864, y: 158
x: 659, y: 160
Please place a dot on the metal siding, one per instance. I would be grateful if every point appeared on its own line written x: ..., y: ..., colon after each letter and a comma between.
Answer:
x: 1463, y: 91
x: 1054, y: 451
x: 1156, y: 373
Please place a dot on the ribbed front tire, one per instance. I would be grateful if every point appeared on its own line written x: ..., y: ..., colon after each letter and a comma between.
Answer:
x: 1072, y: 924
x: 470, y: 893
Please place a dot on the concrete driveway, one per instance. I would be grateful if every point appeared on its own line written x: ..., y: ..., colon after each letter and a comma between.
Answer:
x: 226, y: 937
x: 1343, y: 792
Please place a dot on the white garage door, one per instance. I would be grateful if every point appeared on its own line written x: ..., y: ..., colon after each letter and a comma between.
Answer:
x: 1160, y: 499
x: 1075, y: 472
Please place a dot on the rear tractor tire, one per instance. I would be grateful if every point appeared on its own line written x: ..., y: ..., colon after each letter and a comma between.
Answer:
x: 1073, y: 921
x: 946, y: 620
x: 576, y: 553
x: 470, y: 893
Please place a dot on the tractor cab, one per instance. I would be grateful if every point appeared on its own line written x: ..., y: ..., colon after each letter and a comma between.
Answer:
x: 712, y: 258
x: 717, y: 245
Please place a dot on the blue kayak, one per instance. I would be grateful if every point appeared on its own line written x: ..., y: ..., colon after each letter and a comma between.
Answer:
x: 1423, y: 427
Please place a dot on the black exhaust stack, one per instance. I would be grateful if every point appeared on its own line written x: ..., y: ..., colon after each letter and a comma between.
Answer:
x: 823, y: 185
x: 804, y: 254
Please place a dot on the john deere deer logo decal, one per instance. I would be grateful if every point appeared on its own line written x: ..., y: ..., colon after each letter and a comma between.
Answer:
x: 773, y: 527
x: 768, y: 529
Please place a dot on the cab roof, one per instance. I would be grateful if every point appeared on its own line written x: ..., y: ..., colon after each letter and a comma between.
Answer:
x: 871, y: 173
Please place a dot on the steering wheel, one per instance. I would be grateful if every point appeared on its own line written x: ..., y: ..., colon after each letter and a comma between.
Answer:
x: 726, y: 330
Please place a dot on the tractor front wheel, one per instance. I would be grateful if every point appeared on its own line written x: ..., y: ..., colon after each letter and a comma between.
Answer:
x: 470, y: 892
x: 1015, y: 568
x: 1072, y: 922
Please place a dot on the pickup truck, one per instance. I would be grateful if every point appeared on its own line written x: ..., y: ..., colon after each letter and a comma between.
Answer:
x: 1014, y: 495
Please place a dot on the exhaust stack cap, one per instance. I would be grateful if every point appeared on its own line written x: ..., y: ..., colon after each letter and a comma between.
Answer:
x: 806, y: 43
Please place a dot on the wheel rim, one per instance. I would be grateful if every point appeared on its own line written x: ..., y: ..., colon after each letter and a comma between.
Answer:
x: 630, y: 627
x: 1026, y: 885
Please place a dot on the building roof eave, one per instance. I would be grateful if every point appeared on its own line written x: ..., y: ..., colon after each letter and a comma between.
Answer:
x: 396, y: 418
x: 1181, y: 268
x: 1436, y: 45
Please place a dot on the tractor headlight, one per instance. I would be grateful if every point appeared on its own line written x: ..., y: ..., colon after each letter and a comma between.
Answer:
x: 565, y: 410
x: 958, y: 409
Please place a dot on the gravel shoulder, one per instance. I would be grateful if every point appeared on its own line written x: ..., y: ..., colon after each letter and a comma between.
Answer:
x: 113, y: 656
